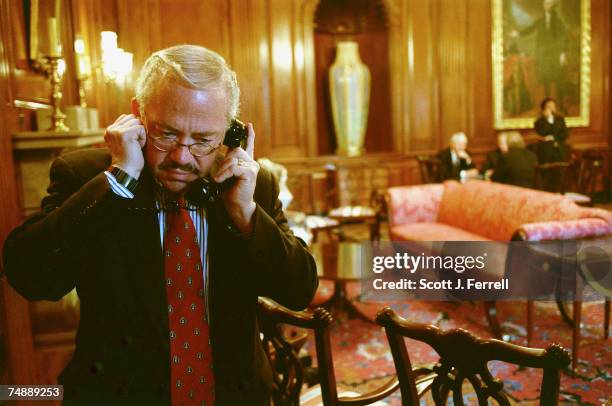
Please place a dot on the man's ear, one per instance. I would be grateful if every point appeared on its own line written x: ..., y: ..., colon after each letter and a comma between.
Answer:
x: 135, y: 107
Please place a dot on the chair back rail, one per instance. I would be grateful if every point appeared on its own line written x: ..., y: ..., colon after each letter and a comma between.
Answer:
x: 465, y: 356
x: 429, y: 167
x: 286, y: 366
x: 589, y: 169
x: 552, y: 177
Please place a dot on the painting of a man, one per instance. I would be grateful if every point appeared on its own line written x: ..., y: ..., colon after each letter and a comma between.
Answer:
x: 539, y: 52
x: 550, y: 49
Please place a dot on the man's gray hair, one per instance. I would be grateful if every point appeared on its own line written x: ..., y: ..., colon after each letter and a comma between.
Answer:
x: 456, y: 137
x: 192, y: 65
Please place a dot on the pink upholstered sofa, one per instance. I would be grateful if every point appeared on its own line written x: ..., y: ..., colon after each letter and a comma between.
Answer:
x: 486, y: 211
x: 483, y: 211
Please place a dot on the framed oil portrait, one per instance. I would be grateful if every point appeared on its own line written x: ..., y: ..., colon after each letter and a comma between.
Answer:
x: 541, y: 48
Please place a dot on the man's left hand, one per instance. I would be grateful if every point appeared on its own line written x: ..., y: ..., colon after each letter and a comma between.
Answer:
x: 239, y: 163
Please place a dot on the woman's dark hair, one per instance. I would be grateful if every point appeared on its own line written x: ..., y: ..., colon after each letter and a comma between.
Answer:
x: 546, y: 100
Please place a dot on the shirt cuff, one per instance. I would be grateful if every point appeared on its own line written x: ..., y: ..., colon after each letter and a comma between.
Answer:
x: 117, y: 187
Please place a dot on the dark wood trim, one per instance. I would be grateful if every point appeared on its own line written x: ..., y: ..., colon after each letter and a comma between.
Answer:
x: 15, y: 327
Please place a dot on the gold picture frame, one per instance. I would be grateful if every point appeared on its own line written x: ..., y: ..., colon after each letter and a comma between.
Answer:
x: 525, y: 70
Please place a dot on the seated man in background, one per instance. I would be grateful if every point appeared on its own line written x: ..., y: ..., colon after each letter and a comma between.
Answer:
x: 493, y: 157
x: 455, y: 161
x: 168, y: 282
x: 517, y: 166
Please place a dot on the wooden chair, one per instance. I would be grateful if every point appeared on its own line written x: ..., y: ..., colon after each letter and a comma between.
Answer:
x: 429, y: 167
x: 312, y: 201
x: 589, y: 169
x: 552, y: 177
x: 558, y: 177
x: 288, y: 372
x: 354, y: 194
x: 465, y: 356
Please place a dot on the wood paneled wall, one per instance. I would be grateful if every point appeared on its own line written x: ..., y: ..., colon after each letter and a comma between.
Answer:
x: 439, y: 66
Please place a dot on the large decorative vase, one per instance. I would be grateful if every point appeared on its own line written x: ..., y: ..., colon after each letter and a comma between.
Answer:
x: 349, y: 82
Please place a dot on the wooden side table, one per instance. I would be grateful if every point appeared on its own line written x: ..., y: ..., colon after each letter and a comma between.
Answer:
x: 341, y: 262
x: 357, y: 214
x: 590, y: 257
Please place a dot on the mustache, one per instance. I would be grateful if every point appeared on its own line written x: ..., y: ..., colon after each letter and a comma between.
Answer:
x: 173, y: 165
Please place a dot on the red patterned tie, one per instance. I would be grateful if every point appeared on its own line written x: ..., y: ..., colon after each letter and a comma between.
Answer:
x: 192, y: 379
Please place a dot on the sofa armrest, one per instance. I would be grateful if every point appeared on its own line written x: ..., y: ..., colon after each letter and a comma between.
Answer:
x: 413, y: 204
x: 564, y: 230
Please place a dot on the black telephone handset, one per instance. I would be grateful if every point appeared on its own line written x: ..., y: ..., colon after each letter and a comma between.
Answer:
x: 205, y: 191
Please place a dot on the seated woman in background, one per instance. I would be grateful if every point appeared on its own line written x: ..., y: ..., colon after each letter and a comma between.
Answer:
x: 493, y: 157
x: 551, y: 127
x: 517, y: 166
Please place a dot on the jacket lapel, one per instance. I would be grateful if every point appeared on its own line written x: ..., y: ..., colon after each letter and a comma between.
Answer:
x: 144, y: 253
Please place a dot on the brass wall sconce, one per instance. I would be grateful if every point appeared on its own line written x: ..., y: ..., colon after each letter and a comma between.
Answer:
x: 116, y: 63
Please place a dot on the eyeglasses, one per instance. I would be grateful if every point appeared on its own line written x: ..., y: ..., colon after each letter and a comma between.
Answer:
x: 197, y: 149
x: 168, y: 143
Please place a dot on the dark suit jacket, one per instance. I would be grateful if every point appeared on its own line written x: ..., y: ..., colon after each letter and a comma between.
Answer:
x: 493, y: 158
x: 552, y: 151
x: 109, y: 248
x: 516, y: 167
x: 447, y: 169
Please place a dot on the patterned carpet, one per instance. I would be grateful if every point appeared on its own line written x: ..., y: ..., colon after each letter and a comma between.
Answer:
x: 363, y: 362
x: 362, y: 359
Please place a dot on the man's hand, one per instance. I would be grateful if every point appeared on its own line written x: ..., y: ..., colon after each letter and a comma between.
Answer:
x: 547, y: 113
x: 238, y: 200
x: 125, y: 138
x: 464, y: 155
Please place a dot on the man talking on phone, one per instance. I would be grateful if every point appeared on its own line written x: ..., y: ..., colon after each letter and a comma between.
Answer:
x: 168, y: 287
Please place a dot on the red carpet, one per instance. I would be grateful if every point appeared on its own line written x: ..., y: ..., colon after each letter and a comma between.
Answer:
x: 362, y: 359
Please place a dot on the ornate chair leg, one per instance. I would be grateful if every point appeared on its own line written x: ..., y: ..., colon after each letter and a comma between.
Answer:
x: 562, y: 306
x: 491, y: 314
x: 530, y: 314
x: 606, y: 318
x: 576, y: 333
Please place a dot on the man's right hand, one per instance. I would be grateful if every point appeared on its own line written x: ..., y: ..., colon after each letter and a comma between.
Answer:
x: 125, y: 138
x: 548, y: 114
x: 464, y: 155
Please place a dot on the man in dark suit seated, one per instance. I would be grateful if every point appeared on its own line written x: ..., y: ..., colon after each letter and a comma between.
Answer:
x: 493, y: 157
x: 168, y: 276
x: 517, y: 166
x: 455, y: 161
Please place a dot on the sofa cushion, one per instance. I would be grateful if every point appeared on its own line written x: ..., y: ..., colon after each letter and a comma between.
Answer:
x: 414, y: 204
x: 496, y: 211
x: 432, y: 231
